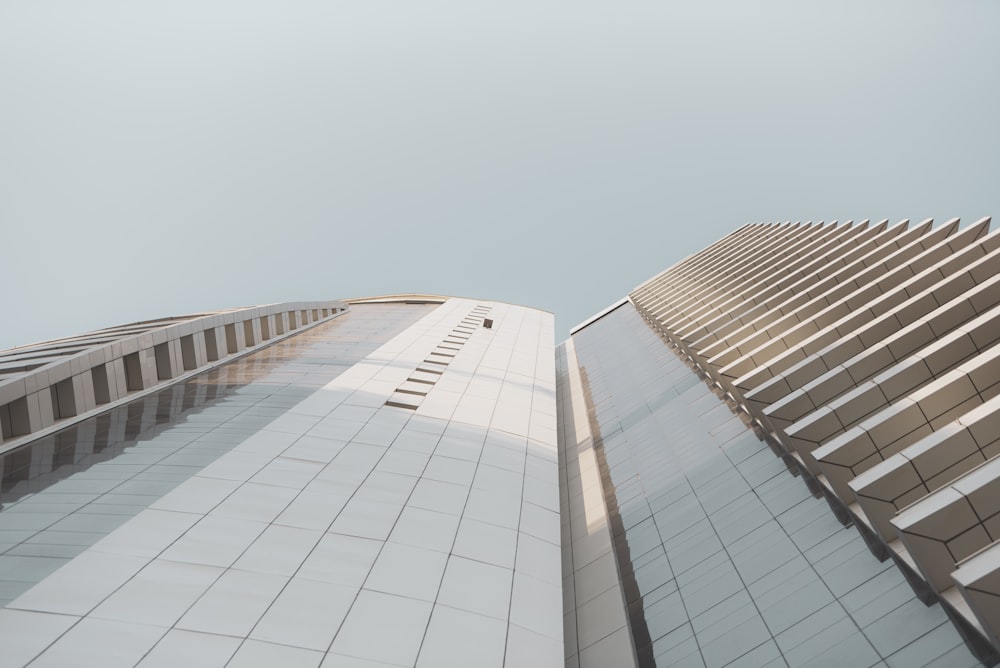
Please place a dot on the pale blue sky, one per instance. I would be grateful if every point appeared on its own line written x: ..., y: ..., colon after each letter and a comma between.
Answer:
x: 160, y: 158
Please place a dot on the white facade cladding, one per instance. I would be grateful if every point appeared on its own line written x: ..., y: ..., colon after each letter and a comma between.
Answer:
x: 865, y: 355
x: 781, y: 451
x: 354, y: 526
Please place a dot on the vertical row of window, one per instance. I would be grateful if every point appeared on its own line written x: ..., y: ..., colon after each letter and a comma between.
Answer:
x: 410, y: 394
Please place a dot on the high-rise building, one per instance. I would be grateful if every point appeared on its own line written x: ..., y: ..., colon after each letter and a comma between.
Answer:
x: 777, y: 452
x: 735, y: 400
x: 366, y: 485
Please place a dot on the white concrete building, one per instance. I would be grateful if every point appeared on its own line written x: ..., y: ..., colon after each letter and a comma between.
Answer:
x: 380, y: 489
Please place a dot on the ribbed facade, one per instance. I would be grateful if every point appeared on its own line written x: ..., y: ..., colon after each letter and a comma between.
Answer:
x: 781, y: 451
x: 866, y: 355
x: 48, y: 386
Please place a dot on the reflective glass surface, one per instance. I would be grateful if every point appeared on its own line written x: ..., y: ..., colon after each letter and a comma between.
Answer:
x: 725, y: 557
x: 63, y: 493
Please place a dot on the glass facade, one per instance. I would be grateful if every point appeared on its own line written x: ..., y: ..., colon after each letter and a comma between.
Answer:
x: 725, y: 557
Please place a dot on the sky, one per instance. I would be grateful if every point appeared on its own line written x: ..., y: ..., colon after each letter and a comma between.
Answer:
x: 163, y: 158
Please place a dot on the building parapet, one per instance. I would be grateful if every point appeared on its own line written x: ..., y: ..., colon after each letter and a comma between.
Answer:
x: 50, y: 385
